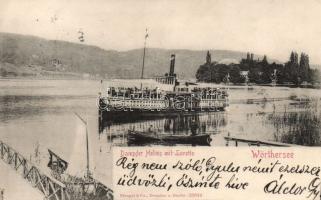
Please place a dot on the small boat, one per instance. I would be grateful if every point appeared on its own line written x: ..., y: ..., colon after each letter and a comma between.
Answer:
x: 136, y: 137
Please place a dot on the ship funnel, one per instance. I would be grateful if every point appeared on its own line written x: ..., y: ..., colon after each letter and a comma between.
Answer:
x: 172, y: 65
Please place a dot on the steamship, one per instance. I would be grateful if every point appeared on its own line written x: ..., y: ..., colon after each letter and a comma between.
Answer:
x: 182, y: 98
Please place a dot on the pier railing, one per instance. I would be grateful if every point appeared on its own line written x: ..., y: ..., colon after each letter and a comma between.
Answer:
x: 51, y: 188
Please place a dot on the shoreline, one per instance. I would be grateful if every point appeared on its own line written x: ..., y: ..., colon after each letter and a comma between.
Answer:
x: 202, y: 84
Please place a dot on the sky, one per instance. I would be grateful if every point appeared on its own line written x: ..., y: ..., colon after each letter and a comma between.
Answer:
x: 271, y: 27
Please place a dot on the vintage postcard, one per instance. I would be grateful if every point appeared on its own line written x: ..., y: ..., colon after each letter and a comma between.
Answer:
x: 160, y: 99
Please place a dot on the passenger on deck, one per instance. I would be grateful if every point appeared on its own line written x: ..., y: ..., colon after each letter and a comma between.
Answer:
x: 194, y: 127
x: 151, y: 130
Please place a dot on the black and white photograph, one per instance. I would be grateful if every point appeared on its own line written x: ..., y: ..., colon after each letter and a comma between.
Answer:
x: 79, y: 78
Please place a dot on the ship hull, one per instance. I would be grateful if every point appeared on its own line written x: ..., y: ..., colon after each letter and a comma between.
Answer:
x: 138, y: 114
x: 123, y: 108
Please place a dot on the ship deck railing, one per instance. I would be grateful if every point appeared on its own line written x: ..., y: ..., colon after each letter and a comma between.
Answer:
x: 163, y: 106
x: 208, y: 98
x: 138, y: 103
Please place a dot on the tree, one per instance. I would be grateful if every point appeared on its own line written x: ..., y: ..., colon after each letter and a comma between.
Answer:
x: 291, y: 69
x: 264, y: 61
x: 221, y: 72
x: 261, y: 72
x: 248, y: 56
x: 235, y: 75
x: 254, y: 76
x: 266, y: 71
x: 304, y: 67
x: 208, y: 58
x: 294, y: 58
x: 315, y: 76
x: 279, y: 76
x: 203, y: 73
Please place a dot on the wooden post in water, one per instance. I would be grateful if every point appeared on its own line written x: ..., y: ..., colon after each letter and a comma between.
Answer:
x: 87, y: 150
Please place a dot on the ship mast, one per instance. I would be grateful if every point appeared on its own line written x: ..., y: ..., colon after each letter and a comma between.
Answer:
x: 142, y: 74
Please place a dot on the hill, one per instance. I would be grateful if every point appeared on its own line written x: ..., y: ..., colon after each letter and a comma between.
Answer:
x: 29, y: 55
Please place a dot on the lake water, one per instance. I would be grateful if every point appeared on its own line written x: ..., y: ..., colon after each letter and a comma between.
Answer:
x: 251, y: 115
x: 39, y: 114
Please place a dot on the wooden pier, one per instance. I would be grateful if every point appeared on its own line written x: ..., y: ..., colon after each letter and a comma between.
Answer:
x: 237, y: 141
x: 51, y: 188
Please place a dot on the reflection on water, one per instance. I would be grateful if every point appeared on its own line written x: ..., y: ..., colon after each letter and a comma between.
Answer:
x: 207, y: 123
x: 15, y: 107
x: 255, y: 114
